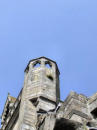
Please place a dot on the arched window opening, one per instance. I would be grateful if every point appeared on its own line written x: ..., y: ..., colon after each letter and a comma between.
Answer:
x: 37, y: 64
x: 48, y: 64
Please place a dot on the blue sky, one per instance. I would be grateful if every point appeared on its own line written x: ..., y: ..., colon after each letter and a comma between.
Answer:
x: 63, y: 30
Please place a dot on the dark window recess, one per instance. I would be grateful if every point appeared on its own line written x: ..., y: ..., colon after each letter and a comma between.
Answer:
x: 50, y: 77
x: 94, y: 113
x: 63, y: 124
x: 48, y: 64
x: 37, y: 64
x: 89, y: 124
x: 34, y: 101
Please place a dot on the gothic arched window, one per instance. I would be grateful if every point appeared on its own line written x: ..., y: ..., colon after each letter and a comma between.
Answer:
x: 37, y: 64
x: 48, y: 64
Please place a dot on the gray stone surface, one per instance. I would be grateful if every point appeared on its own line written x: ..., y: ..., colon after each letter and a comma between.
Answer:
x: 38, y: 106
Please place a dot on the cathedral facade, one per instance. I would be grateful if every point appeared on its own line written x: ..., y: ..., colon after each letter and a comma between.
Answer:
x: 38, y: 105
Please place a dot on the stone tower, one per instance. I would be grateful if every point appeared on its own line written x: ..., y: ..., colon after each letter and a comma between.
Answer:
x: 40, y: 92
x: 38, y: 105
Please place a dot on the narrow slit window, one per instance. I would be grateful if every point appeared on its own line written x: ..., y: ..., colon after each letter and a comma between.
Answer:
x: 50, y: 77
